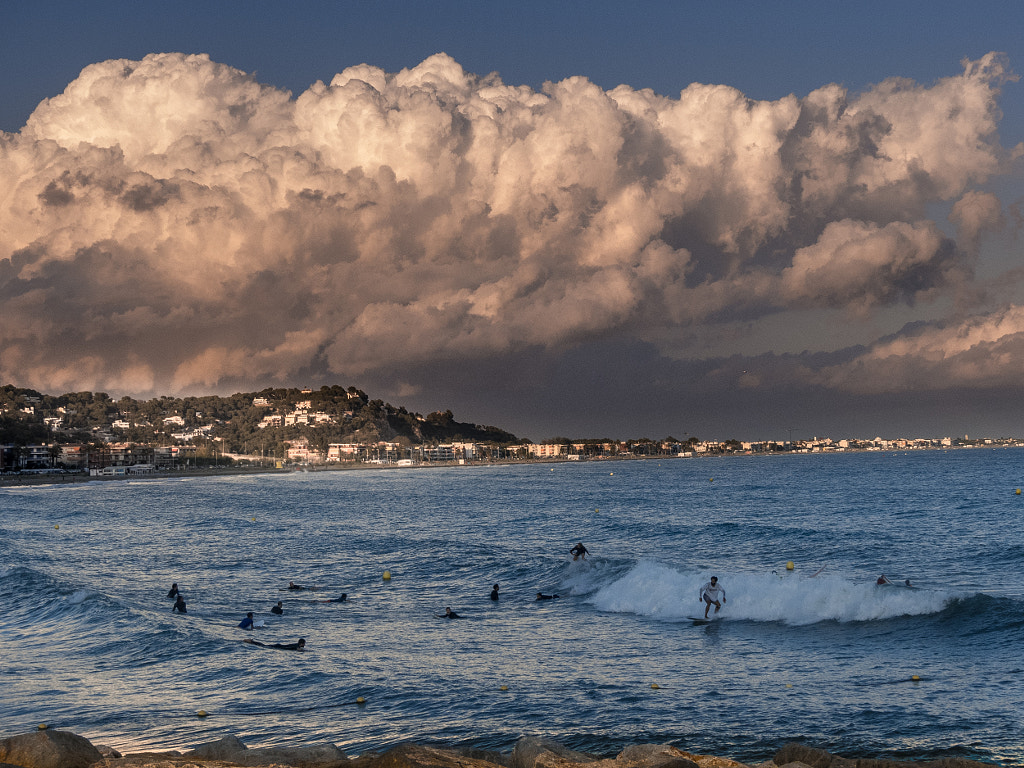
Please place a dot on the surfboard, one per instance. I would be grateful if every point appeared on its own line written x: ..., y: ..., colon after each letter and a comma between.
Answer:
x: 697, y: 620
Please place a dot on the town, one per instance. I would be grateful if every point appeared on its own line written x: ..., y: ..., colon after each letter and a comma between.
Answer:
x: 89, y: 433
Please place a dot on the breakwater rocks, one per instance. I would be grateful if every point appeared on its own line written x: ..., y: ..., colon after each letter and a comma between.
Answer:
x: 62, y: 749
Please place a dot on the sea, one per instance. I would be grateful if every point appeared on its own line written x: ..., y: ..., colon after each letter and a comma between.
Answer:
x: 807, y: 646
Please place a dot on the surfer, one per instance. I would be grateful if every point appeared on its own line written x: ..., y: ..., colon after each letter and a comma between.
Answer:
x: 494, y: 593
x: 450, y: 614
x: 174, y: 590
x: 542, y: 596
x: 179, y: 604
x: 709, y: 595
x: 297, y: 646
x: 341, y: 599
x: 247, y: 622
x: 278, y: 609
x: 293, y: 585
x: 882, y: 580
x: 579, y: 551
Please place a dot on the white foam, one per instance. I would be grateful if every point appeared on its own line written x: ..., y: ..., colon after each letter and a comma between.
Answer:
x: 652, y: 589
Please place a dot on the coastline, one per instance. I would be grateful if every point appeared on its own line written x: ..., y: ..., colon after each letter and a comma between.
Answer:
x: 47, y: 748
x: 8, y: 480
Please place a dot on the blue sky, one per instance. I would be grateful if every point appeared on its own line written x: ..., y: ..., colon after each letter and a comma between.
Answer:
x: 756, y: 365
x: 766, y: 50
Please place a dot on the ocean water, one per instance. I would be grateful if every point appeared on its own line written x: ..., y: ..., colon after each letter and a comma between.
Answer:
x: 819, y: 653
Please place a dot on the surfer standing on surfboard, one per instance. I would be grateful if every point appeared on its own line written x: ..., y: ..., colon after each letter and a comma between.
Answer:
x: 709, y: 595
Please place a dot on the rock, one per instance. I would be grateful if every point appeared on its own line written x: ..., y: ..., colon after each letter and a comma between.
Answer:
x: 107, y: 751
x: 800, y: 753
x: 49, y: 749
x: 313, y: 756
x: 487, y: 755
x: 537, y: 752
x: 415, y: 756
x: 228, y: 748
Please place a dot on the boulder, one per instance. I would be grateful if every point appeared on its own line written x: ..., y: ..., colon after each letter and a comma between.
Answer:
x: 228, y: 748
x: 231, y: 749
x: 538, y: 752
x: 314, y: 756
x: 800, y: 753
x: 664, y: 756
x: 49, y: 749
x: 415, y: 756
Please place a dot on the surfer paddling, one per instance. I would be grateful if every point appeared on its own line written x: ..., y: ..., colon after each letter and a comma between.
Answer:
x: 709, y: 595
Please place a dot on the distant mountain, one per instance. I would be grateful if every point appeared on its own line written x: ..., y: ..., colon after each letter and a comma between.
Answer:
x: 240, y: 423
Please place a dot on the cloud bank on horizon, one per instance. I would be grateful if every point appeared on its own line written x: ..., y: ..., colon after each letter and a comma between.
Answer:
x: 172, y: 225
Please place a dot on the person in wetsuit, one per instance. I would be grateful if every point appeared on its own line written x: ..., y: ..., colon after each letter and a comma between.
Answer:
x: 579, y: 551
x: 494, y: 593
x: 450, y: 614
x: 278, y: 609
x: 174, y: 590
x: 297, y: 646
x: 247, y: 622
x: 293, y: 585
x: 542, y: 596
x: 179, y: 604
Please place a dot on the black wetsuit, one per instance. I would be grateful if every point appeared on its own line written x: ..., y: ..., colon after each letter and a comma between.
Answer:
x: 545, y: 597
x: 494, y: 594
x: 179, y: 605
x: 173, y: 592
x: 277, y: 609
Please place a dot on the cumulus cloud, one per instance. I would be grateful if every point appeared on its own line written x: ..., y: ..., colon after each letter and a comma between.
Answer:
x: 173, y: 224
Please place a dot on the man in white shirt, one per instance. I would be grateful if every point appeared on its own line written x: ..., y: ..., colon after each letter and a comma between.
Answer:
x: 709, y: 595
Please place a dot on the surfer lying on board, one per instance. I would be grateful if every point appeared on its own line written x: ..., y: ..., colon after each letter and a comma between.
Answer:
x: 709, y: 595
x: 450, y: 614
x: 342, y: 599
x: 297, y: 646
x: 542, y: 596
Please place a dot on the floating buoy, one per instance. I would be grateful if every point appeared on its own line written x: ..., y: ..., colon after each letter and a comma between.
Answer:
x: 1018, y: 491
x: 254, y: 519
x: 711, y: 479
x: 387, y: 576
x: 915, y: 678
x: 201, y: 713
x: 42, y: 726
x: 789, y: 565
x: 655, y: 686
x: 789, y: 685
x: 56, y: 527
x: 360, y: 700
x: 611, y: 473
x: 504, y: 687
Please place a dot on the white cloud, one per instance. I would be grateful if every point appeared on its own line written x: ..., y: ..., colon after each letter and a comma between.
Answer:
x: 173, y: 222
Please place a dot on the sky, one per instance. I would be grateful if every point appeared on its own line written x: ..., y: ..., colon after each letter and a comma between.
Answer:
x: 566, y: 219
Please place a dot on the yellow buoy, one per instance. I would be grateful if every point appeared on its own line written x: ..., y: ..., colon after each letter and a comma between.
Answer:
x: 789, y: 685
x: 254, y: 519
x: 42, y: 726
x: 655, y: 686
x: 711, y: 479
x: 1018, y: 491
x: 789, y: 565
x: 387, y: 576
x: 360, y: 700
x: 56, y: 527
x: 914, y: 678
x: 201, y: 713
x: 504, y: 687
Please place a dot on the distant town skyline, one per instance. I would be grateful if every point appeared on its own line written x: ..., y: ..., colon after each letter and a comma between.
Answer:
x: 572, y: 219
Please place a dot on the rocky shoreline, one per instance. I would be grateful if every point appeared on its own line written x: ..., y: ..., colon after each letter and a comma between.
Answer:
x: 63, y: 749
